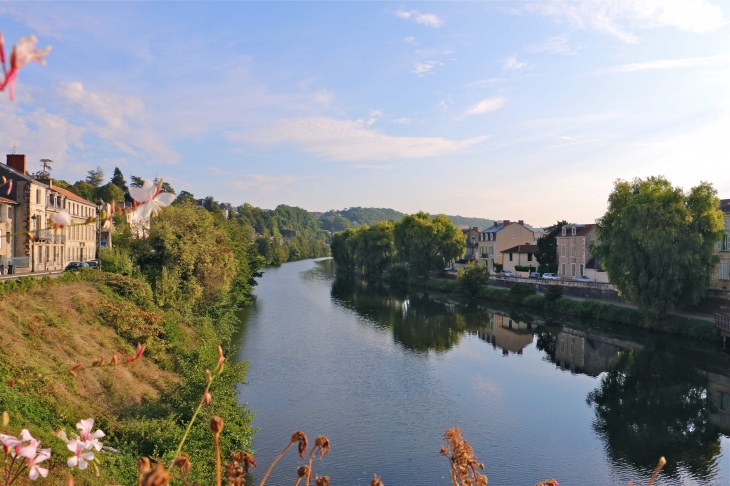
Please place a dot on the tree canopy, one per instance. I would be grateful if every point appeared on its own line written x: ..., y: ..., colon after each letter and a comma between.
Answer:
x: 95, y: 177
x: 427, y: 244
x: 658, y: 242
x: 110, y: 192
x: 118, y: 180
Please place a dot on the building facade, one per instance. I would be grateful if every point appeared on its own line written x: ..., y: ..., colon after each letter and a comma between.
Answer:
x: 520, y: 255
x: 37, y: 247
x: 7, y: 228
x: 574, y: 249
x: 721, y: 275
x: 471, y: 235
x: 499, y: 237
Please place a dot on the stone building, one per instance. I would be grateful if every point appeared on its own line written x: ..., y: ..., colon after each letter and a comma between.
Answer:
x: 721, y: 275
x: 499, y: 237
x: 573, y: 249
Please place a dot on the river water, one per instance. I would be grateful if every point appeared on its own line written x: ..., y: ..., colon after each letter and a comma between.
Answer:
x: 382, y: 374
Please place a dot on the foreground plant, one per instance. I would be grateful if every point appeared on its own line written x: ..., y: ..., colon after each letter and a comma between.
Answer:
x: 461, y: 457
x: 23, y: 53
x: 22, y: 455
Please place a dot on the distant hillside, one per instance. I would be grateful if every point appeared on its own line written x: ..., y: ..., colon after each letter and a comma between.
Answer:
x: 335, y: 220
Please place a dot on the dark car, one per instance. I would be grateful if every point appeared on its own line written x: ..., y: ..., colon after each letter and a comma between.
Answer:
x: 93, y: 263
x: 534, y: 275
x: 75, y: 266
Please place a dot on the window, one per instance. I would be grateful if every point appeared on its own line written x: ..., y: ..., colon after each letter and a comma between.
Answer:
x: 723, y: 401
x: 581, y: 269
x: 37, y: 196
x: 529, y: 257
x: 572, y: 269
x: 562, y: 346
x: 573, y: 231
x: 563, y: 230
x: 563, y: 268
x: 562, y: 250
x: 1, y: 238
x: 724, y: 271
x: 572, y: 250
x: 10, y: 214
x: 572, y: 349
x: 727, y: 223
x: 510, y: 257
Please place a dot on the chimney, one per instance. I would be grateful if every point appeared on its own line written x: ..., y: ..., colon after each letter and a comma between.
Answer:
x: 521, y: 222
x: 17, y: 162
x: 506, y: 222
x: 476, y: 228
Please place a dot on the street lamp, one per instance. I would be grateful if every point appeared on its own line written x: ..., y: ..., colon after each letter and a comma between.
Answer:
x: 99, y: 206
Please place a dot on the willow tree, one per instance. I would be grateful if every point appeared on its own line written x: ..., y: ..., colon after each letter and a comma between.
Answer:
x: 657, y: 242
x: 427, y: 244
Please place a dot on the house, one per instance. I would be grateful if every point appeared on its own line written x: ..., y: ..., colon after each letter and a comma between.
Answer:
x: 472, y: 242
x: 500, y: 236
x: 721, y: 276
x: 573, y: 251
x: 7, y: 227
x: 38, y: 248
x: 509, y: 335
x: 520, y: 255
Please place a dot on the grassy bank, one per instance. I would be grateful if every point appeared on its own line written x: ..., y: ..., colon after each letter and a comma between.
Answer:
x: 591, y: 309
x: 48, y: 325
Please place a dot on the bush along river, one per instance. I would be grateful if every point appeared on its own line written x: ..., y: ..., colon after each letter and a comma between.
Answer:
x: 383, y: 373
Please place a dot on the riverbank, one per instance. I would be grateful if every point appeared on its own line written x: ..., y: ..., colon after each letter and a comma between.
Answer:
x: 611, y: 312
x: 51, y: 324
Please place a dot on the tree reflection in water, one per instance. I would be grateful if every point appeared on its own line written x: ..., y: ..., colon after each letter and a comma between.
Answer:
x: 652, y: 404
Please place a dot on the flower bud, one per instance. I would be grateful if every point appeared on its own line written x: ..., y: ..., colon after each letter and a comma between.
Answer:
x: 323, y: 481
x: 6, y: 419
x: 77, y: 366
x: 157, y: 477
x: 143, y: 465
x: 207, y: 398
x: 376, y: 481
x: 70, y: 480
x: 216, y: 424
x: 303, y: 471
x: 115, y: 360
x: 72, y: 374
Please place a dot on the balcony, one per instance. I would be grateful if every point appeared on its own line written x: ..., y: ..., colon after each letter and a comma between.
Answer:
x: 51, y: 237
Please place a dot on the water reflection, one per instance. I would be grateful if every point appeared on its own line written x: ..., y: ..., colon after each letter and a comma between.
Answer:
x: 656, y: 395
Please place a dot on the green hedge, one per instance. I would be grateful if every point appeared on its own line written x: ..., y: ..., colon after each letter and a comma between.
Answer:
x: 524, y: 268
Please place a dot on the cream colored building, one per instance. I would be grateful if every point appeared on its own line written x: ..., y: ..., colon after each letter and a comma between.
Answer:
x: 37, y: 200
x: 721, y: 276
x: 520, y: 255
x: 573, y: 250
x: 499, y: 237
x: 7, y: 227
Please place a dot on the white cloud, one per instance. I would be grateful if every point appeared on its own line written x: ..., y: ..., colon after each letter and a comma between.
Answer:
x: 421, y: 68
x: 565, y: 137
x: 484, y: 82
x: 123, y: 118
x: 350, y: 140
x: 512, y: 63
x: 555, y: 45
x: 443, y: 105
x: 615, y: 16
x: 669, y: 64
x: 402, y: 121
x: 410, y: 40
x: 484, y: 106
x: 323, y: 97
x: 429, y: 20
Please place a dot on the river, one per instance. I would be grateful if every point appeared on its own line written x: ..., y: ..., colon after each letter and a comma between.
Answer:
x: 382, y: 374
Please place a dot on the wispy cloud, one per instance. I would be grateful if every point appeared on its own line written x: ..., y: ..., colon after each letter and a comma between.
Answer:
x: 555, y: 45
x: 669, y: 64
x: 350, y: 140
x: 429, y: 20
x: 485, y: 106
x: 410, y: 40
x: 616, y: 17
x: 421, y: 68
x: 402, y: 121
x: 485, y: 82
x: 512, y: 63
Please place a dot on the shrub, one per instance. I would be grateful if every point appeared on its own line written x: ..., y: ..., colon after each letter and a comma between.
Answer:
x: 115, y: 260
x: 534, y: 301
x: 498, y: 267
x: 519, y: 291
x: 525, y: 268
x: 398, y: 275
x: 472, y: 278
x: 553, y: 292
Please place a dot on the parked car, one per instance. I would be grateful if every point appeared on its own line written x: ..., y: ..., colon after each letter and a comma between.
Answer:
x: 93, y: 263
x: 582, y: 278
x: 506, y: 273
x: 551, y: 276
x: 449, y: 269
x: 534, y: 275
x: 75, y: 266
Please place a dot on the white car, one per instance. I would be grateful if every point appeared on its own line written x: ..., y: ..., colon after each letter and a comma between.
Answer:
x: 551, y: 276
x: 506, y: 273
x: 582, y: 278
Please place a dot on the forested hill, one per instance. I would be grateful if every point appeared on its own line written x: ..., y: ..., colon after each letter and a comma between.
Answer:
x: 335, y: 221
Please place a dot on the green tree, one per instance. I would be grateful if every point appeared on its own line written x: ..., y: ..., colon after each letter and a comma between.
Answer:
x: 136, y: 181
x: 658, y: 242
x: 547, y: 248
x: 110, y: 192
x: 374, y: 248
x: 343, y: 251
x: 472, y: 279
x: 185, y: 197
x: 426, y: 244
x: 83, y: 189
x: 95, y: 177
x: 118, y: 180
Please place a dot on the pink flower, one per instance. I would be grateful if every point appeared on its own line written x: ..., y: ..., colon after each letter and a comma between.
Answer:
x: 61, y: 219
x: 91, y: 441
x: 29, y: 451
x: 23, y: 53
x: 150, y: 199
x: 10, y: 444
x: 35, y: 469
x: 80, y: 458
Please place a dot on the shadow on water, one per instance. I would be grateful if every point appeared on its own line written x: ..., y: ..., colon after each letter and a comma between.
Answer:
x: 657, y: 395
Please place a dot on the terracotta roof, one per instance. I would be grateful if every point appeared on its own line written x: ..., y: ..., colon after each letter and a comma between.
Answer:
x: 7, y: 201
x: 581, y: 230
x: 71, y: 195
x: 522, y: 249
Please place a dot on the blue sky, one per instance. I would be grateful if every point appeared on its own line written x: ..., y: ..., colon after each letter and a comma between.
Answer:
x: 501, y: 110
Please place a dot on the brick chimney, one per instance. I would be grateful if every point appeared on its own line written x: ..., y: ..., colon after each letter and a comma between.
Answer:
x: 17, y: 162
x: 476, y: 228
x: 506, y: 222
x: 521, y: 222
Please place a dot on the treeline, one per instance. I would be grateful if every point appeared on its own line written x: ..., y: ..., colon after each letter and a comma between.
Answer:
x: 336, y: 221
x: 407, y: 249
